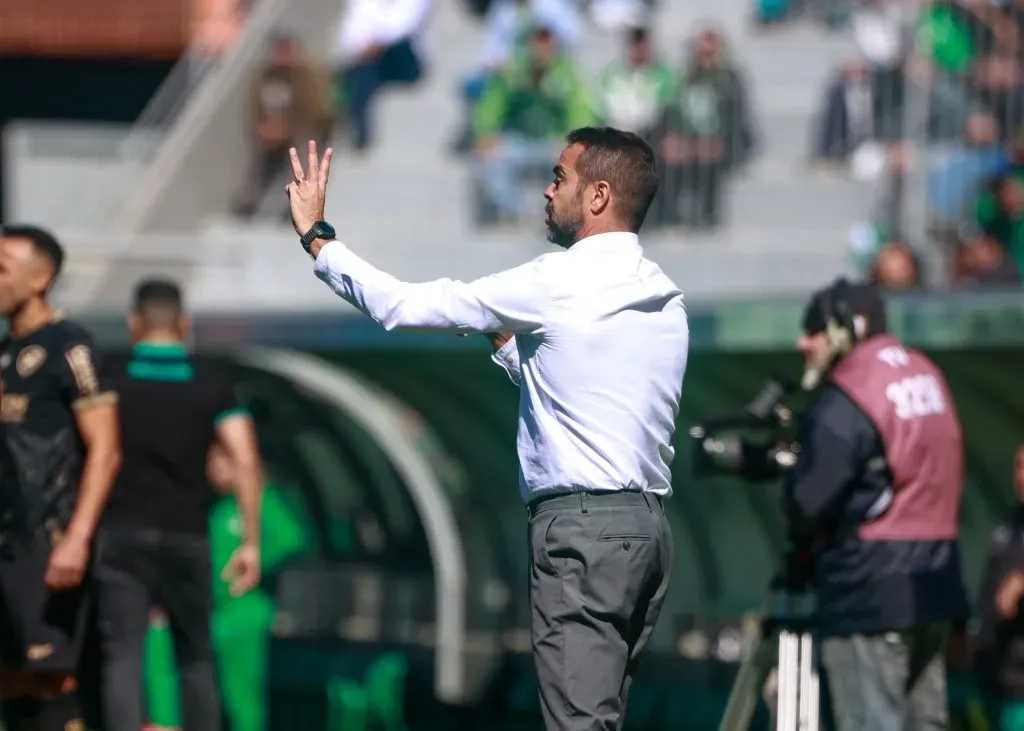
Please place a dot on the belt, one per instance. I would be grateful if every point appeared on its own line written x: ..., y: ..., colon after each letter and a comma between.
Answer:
x: 582, y: 501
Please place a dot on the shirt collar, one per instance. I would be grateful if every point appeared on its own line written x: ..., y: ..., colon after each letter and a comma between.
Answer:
x: 161, y: 349
x: 615, y: 241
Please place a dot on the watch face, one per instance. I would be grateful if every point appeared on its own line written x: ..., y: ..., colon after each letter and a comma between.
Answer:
x: 326, y: 229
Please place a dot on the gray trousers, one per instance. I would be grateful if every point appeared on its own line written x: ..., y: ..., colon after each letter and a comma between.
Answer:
x: 599, y: 571
x: 889, y: 682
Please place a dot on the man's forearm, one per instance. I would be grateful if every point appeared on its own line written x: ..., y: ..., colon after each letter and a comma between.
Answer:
x: 98, y: 475
x: 248, y: 493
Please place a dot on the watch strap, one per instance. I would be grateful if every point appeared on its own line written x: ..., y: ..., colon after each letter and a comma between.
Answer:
x: 317, y: 231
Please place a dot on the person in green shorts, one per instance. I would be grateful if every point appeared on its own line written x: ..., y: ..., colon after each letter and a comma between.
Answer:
x: 240, y: 624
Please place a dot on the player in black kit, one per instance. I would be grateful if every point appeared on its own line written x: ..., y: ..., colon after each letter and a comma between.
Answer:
x: 59, y: 455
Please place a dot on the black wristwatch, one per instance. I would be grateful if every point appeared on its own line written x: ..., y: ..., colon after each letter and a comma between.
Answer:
x: 319, y: 230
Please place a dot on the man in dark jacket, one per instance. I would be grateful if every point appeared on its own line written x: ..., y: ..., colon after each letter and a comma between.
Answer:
x: 875, y: 497
x: 999, y: 659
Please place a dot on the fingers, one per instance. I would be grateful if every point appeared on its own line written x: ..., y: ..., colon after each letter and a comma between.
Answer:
x: 314, y: 162
x: 245, y: 581
x: 297, y: 172
x: 325, y: 168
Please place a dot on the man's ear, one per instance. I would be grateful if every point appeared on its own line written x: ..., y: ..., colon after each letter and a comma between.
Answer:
x: 600, y: 197
x: 43, y: 278
x: 185, y: 326
x: 134, y: 325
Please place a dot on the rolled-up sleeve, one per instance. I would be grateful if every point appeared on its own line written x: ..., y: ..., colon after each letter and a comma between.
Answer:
x: 507, y: 356
x: 515, y: 300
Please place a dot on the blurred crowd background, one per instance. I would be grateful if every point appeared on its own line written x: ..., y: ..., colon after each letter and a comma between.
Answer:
x: 871, y: 137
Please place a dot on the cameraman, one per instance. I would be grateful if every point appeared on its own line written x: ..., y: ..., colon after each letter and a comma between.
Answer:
x: 873, y: 506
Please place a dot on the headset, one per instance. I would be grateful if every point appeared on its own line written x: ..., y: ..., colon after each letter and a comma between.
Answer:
x: 843, y: 327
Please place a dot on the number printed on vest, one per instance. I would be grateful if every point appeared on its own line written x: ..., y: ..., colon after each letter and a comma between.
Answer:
x: 916, y: 396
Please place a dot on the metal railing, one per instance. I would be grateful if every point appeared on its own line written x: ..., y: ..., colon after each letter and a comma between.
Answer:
x: 195, y: 170
x: 139, y: 146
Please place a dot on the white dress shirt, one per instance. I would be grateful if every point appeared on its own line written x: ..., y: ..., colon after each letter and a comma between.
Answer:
x: 384, y: 22
x: 599, y: 352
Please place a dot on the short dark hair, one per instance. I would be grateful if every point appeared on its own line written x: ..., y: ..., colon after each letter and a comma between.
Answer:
x: 153, y: 295
x: 44, y: 242
x: 638, y: 34
x: 625, y: 161
x: 541, y: 32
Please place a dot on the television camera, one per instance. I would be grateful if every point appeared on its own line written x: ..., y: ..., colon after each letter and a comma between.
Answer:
x: 756, y: 443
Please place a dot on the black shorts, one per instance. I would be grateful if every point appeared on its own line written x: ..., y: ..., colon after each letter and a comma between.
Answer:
x: 40, y: 630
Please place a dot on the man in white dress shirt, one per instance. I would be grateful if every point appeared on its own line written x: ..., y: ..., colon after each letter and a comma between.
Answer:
x: 596, y: 337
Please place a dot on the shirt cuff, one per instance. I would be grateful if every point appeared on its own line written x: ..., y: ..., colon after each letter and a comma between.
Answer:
x: 507, y: 356
x: 320, y: 265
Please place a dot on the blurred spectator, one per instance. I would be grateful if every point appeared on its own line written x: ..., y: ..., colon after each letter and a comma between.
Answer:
x: 521, y: 120
x: 999, y: 215
x: 896, y: 268
x: 611, y: 15
x: 378, y: 44
x: 984, y: 261
x: 634, y: 94
x: 1000, y: 85
x: 290, y: 104
x: 878, y: 33
x: 954, y: 175
x: 845, y: 119
x: 708, y: 134
x: 478, y: 8
x: 219, y: 24
x: 999, y: 652
x: 509, y: 23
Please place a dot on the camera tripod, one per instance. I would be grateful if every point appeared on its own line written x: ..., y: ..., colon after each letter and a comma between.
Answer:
x: 797, y: 705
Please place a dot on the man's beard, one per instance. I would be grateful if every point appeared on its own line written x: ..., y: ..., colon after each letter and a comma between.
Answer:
x: 563, y: 233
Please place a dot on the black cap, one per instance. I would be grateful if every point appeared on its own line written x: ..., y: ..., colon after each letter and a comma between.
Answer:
x: 859, y: 299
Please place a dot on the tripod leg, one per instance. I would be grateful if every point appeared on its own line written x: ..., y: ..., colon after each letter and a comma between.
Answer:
x: 806, y: 667
x: 749, y: 680
x: 814, y: 692
x: 789, y: 658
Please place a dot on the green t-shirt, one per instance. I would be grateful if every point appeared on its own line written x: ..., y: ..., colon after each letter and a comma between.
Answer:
x: 942, y: 36
x: 283, y: 534
x: 545, y: 108
x: 634, y: 98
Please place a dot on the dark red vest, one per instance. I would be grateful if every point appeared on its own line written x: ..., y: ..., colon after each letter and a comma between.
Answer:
x: 907, y: 398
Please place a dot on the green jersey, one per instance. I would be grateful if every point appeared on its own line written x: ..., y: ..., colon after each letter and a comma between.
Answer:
x: 539, y: 104
x: 634, y: 98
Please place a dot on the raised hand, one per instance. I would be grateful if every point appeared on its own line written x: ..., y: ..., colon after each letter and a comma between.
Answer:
x: 308, y: 190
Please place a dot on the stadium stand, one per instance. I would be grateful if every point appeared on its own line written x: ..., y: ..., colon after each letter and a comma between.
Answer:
x: 785, y: 227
